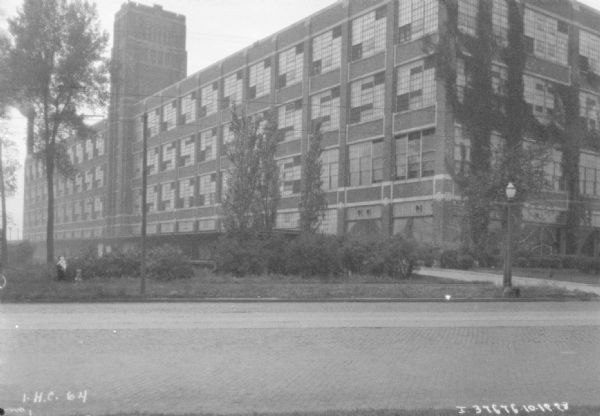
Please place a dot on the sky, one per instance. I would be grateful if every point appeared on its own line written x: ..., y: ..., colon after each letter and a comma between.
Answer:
x: 209, y: 40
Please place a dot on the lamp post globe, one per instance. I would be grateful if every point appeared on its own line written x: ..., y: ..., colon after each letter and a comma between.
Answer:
x: 511, y: 191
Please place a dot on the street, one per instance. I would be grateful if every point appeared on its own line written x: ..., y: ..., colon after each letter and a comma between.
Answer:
x: 62, y: 359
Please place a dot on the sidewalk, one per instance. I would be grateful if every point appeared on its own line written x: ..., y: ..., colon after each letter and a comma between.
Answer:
x: 471, y: 276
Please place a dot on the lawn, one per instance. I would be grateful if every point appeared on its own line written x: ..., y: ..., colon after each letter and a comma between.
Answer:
x: 205, y: 285
x: 566, y: 275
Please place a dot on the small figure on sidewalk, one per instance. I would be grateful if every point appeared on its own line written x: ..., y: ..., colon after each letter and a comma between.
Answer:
x: 78, y: 275
x: 61, y: 268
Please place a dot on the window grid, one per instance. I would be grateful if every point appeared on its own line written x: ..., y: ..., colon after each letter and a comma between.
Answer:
x: 208, y: 145
x: 188, y: 108
x: 368, y: 34
x: 325, y: 107
x: 500, y: 21
x: 98, y: 205
x: 289, y: 120
x: 168, y: 156
x: 79, y: 153
x: 367, y: 97
x: 589, y: 47
x: 187, y: 151
x: 329, y: 173
x: 328, y: 223
x: 151, y: 198
x: 100, y: 142
x: 327, y: 51
x: 289, y: 175
x: 89, y: 179
x: 89, y: 149
x: 167, y: 196
x: 467, y: 16
x: 99, y: 176
x: 186, y: 193
x: 169, y: 116
x: 589, y: 110
x: 260, y: 79
x: 548, y: 36
x: 153, y: 122
x: 538, y: 94
x: 589, y: 174
x: 415, y: 154
x: 291, y: 64
x: 207, y: 189
x: 499, y: 79
x: 553, y: 171
x: 417, y: 18
x: 359, y: 156
x: 287, y: 220
x: 416, y: 86
x: 209, y: 96
x: 152, y: 166
x: 233, y: 89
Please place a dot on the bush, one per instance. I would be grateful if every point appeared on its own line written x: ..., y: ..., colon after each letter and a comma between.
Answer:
x: 240, y: 257
x: 588, y: 264
x: 168, y: 263
x: 356, y: 253
x: 453, y: 259
x: 465, y: 261
x: 395, y: 257
x: 427, y: 255
x: 313, y: 255
x: 21, y: 253
x: 114, y: 264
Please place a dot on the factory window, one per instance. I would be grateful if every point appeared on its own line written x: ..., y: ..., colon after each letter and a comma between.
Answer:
x: 291, y: 66
x: 153, y: 122
x: 232, y: 91
x: 365, y: 163
x: 167, y: 196
x: 187, y: 151
x: 368, y: 34
x: 152, y: 161
x: 416, y: 85
x: 208, y: 145
x: 168, y: 156
x: 188, y: 108
x: 417, y: 18
x: 209, y: 96
x: 589, y: 110
x: 151, y: 198
x: 289, y: 120
x: 546, y: 37
x: 589, y: 174
x: 330, y: 168
x: 415, y: 154
x: 467, y: 16
x: 538, y: 95
x: 326, y: 51
x: 207, y: 189
x: 169, y: 116
x: 367, y: 98
x: 325, y: 108
x: 289, y: 175
x: 260, y: 79
x: 500, y: 21
x: 186, y: 193
x: 589, y: 51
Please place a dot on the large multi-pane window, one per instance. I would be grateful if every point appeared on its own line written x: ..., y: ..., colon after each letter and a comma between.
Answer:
x: 417, y: 18
x: 500, y: 21
x: 152, y: 161
x: 88, y: 180
x: 260, y: 79
x: 79, y: 153
x: 553, y: 171
x: 289, y: 175
x: 467, y: 16
x: 546, y: 37
x: 99, y: 151
x: 187, y: 151
x: 186, y: 192
x: 78, y: 182
x: 169, y: 115
x: 589, y: 50
x: 151, y: 198
x: 291, y: 66
x: 325, y: 108
x: 462, y: 152
x: 287, y: 220
x: 326, y: 51
x: 207, y: 189
x: 416, y: 85
x: 589, y: 174
x: 98, y: 206
x: 499, y: 78
x: 89, y: 149
x: 365, y: 163
x: 153, y: 122
x: 589, y: 110
x: 188, y: 108
x: 330, y: 167
x: 99, y: 176
x: 289, y: 120
x: 228, y: 137
x: 208, y: 145
x: 415, y: 154
x: 367, y: 98
x: 167, y: 196
x: 209, y: 96
x: 538, y: 94
x: 232, y: 89
x: 368, y: 34
x: 168, y: 156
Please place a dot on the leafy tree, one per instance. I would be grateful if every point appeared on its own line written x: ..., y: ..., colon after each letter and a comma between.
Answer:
x: 252, y: 194
x: 312, y: 197
x: 56, y: 68
x: 9, y: 166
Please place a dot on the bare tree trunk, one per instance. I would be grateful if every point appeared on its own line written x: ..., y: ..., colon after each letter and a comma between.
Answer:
x: 3, y: 196
x: 50, y: 217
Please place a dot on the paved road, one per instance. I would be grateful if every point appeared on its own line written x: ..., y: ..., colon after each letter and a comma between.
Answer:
x: 225, y: 358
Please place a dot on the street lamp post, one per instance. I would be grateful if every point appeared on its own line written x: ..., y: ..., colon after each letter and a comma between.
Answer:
x: 507, y: 278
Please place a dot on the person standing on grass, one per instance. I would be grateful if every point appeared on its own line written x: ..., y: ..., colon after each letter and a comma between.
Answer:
x: 61, y: 268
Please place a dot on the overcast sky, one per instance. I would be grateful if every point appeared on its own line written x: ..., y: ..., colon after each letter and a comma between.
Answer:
x: 215, y: 29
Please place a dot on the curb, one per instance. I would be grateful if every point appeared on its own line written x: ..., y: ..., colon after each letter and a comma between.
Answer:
x: 280, y: 300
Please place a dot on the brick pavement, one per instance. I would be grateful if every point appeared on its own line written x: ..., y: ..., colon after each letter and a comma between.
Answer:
x: 302, y: 368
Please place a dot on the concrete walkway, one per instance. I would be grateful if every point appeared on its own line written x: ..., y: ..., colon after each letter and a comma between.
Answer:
x: 472, y: 276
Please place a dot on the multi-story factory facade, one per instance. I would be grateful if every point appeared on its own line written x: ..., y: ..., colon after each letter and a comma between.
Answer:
x: 361, y: 67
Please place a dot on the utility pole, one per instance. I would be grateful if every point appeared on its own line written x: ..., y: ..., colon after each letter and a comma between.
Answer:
x: 143, y: 204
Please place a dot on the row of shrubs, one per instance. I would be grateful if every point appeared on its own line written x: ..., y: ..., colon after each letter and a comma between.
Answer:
x: 162, y: 263
x: 311, y: 255
x: 457, y: 259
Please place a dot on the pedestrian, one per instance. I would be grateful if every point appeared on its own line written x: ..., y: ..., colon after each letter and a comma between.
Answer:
x: 61, y: 268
